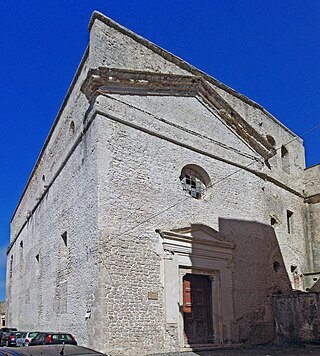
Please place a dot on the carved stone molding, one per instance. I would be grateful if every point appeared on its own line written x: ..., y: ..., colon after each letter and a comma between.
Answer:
x: 104, y: 80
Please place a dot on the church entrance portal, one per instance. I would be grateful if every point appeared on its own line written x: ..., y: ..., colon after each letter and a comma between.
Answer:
x: 197, y: 309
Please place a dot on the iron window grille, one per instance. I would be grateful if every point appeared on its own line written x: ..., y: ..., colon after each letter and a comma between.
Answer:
x: 193, y: 183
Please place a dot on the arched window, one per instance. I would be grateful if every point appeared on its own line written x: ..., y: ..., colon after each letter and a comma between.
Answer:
x: 194, y: 181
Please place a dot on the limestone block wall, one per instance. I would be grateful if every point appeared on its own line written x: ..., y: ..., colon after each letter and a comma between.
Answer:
x: 313, y: 215
x: 297, y: 318
x: 276, y: 201
x: 85, y: 256
x: 64, y: 133
x: 312, y: 194
x: 53, y: 266
x: 278, y: 205
x: 312, y: 181
x: 143, y: 170
x: 114, y: 46
x: 288, y: 166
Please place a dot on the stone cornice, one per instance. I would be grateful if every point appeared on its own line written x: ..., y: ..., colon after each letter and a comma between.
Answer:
x: 313, y: 199
x: 112, y: 80
x: 96, y: 15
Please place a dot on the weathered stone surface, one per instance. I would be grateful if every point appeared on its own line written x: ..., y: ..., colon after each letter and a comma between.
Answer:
x: 106, y: 231
x: 297, y: 318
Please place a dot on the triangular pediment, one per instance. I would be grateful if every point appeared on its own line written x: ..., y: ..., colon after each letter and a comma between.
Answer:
x: 115, y: 46
x: 198, y: 234
x: 104, y: 81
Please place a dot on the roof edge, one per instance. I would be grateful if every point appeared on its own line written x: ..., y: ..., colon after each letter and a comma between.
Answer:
x: 55, y: 123
x: 96, y: 15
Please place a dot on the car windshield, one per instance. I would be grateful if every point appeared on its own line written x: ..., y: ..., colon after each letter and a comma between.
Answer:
x: 61, y: 337
x: 41, y: 336
x: 17, y: 334
x: 33, y: 334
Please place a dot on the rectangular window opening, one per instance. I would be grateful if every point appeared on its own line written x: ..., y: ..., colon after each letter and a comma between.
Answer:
x: 65, y: 238
x: 11, y: 265
x: 289, y: 221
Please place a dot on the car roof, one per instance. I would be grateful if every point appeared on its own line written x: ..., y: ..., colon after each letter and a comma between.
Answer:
x: 53, y: 350
x: 53, y: 332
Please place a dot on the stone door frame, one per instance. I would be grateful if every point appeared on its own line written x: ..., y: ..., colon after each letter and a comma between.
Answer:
x: 198, y: 249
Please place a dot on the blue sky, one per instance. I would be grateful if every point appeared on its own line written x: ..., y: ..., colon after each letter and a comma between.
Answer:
x: 268, y: 50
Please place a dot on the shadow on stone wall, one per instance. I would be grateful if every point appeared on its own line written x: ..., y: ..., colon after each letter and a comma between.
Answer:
x: 258, y: 274
x: 266, y: 308
x: 297, y: 318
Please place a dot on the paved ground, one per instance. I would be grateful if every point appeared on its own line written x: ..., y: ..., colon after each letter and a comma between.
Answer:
x: 48, y: 350
x: 255, y: 351
x: 250, y: 351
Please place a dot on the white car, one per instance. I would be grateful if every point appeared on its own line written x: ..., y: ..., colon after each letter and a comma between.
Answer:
x: 25, y: 338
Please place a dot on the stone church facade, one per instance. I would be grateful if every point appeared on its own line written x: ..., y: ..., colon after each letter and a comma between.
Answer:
x: 165, y: 209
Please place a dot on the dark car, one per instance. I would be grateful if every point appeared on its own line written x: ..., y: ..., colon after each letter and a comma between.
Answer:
x: 4, y: 331
x: 47, y: 338
x: 50, y: 350
x: 9, y: 338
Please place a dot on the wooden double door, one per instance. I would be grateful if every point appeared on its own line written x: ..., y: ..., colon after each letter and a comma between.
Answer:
x: 197, y: 309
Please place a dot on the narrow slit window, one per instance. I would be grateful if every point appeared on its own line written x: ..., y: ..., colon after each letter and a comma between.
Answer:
x: 289, y: 221
x: 11, y: 265
x: 273, y: 221
x: 38, y: 257
x: 71, y: 128
x: 285, y: 159
x: 293, y: 268
x: 65, y: 238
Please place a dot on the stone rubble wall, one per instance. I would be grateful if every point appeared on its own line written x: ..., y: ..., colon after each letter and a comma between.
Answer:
x: 52, y: 285
x: 56, y: 148
x: 121, y: 183
x: 116, y: 47
x: 143, y: 171
x: 297, y: 318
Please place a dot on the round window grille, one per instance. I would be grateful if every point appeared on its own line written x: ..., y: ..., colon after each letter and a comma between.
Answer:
x: 193, y: 182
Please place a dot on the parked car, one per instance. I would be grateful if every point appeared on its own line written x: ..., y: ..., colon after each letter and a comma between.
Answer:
x: 4, y: 331
x: 9, y: 339
x: 26, y: 337
x: 50, y: 350
x: 46, y: 338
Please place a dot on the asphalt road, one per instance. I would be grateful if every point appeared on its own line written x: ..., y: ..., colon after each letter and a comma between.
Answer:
x: 255, y: 351
x: 250, y: 351
x: 48, y: 350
